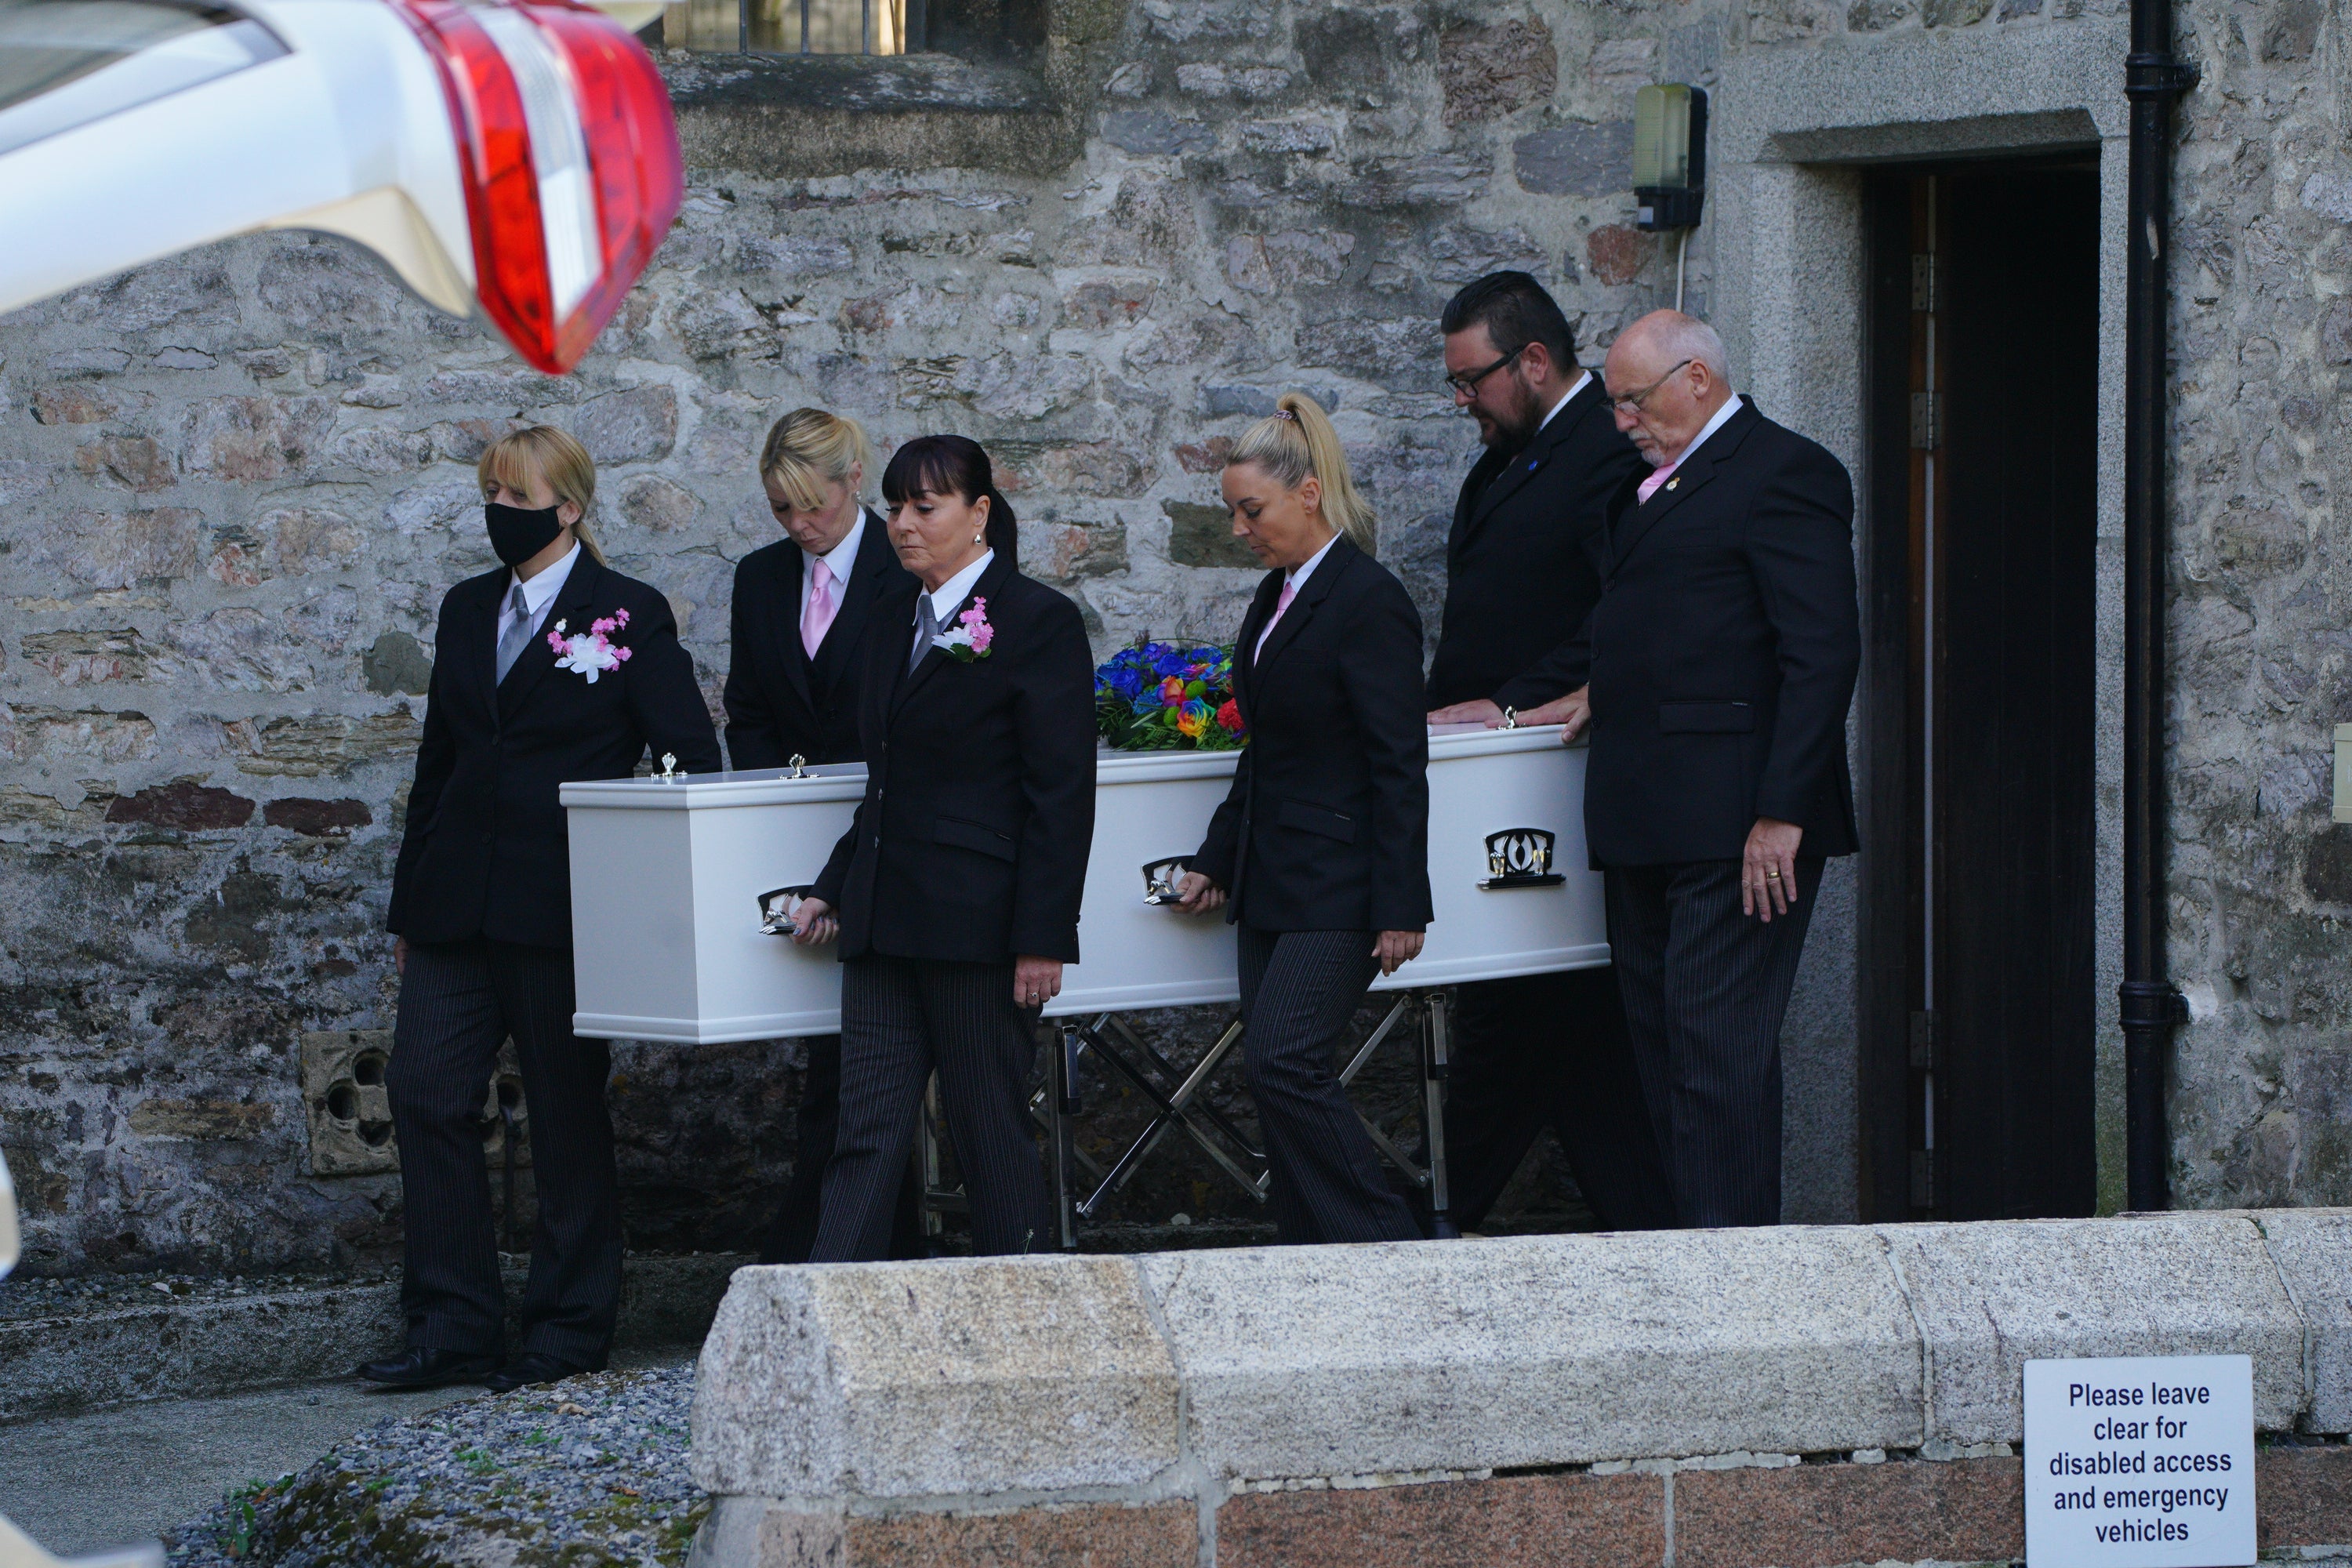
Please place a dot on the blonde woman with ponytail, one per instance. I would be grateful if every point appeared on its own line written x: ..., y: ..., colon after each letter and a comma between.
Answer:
x: 552, y: 667
x: 1320, y: 855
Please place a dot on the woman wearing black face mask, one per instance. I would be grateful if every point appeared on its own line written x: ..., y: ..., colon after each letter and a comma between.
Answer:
x: 553, y: 667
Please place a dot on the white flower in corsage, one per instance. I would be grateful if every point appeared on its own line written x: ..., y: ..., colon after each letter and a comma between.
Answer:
x: 971, y: 636
x: 591, y: 653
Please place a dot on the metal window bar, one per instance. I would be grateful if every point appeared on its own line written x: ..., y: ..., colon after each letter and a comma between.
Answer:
x: 796, y: 26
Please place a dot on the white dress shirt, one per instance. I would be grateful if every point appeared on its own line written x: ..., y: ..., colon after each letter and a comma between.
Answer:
x: 538, y: 594
x: 951, y: 593
x: 1731, y: 406
x: 840, y: 561
x: 1565, y: 399
x: 1294, y: 581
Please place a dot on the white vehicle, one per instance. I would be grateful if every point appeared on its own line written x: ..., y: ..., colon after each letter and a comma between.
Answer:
x: 514, y: 161
x: 18, y: 1550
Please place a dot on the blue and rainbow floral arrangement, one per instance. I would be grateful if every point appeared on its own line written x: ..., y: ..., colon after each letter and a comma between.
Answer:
x: 1158, y: 697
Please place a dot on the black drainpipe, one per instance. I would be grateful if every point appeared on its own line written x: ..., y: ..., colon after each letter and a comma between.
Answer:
x: 2153, y: 79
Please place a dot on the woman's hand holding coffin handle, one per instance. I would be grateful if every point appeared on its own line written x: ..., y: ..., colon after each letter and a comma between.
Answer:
x: 814, y: 923
x: 1197, y: 895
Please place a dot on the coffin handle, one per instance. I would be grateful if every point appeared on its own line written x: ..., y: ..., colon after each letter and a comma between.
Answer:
x: 776, y: 908
x: 1161, y: 877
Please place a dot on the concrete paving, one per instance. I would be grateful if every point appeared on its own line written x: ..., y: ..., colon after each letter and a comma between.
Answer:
x: 104, y: 1477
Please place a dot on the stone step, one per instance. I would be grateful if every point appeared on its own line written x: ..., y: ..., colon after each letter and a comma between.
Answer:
x: 216, y: 1339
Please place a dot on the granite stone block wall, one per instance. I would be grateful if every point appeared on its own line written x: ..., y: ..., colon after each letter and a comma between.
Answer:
x: 234, y: 486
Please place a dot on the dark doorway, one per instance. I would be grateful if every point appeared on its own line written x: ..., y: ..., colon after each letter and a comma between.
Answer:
x: 1981, y: 730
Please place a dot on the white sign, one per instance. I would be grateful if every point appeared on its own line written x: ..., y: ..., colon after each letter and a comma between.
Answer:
x: 2140, y: 1462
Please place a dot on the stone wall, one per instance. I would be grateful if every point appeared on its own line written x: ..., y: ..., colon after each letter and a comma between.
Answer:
x: 234, y: 486
x: 2260, y: 883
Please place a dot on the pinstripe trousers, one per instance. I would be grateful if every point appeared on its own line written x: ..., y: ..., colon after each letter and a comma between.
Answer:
x: 1705, y: 989
x: 901, y: 1018
x: 1299, y: 991
x: 457, y: 1002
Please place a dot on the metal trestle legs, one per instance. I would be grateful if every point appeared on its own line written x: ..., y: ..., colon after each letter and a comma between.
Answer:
x: 1176, y: 1096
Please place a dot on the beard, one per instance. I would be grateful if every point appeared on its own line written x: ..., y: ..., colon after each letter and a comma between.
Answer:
x: 1516, y: 425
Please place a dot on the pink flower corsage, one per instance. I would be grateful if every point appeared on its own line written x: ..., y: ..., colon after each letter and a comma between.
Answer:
x: 972, y: 635
x: 591, y: 653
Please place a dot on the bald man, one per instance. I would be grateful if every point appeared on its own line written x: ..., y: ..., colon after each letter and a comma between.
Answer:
x: 1720, y: 662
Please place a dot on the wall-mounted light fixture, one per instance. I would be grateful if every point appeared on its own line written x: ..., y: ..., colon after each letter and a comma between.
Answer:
x: 1670, y: 164
x: 1669, y: 155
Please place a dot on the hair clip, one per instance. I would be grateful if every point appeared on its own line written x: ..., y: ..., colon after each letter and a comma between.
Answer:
x: 1285, y: 414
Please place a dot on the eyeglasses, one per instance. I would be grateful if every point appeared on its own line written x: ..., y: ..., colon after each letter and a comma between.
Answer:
x: 1468, y: 385
x: 1631, y: 403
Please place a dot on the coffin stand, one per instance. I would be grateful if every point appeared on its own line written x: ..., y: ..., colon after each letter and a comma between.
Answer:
x: 669, y: 945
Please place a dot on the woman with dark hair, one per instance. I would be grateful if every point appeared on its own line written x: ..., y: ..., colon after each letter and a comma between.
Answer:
x: 955, y: 892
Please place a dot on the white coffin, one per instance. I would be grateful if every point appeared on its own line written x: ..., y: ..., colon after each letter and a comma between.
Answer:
x: 665, y: 879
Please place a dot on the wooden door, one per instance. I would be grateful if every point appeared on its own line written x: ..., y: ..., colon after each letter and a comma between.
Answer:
x: 1981, y: 732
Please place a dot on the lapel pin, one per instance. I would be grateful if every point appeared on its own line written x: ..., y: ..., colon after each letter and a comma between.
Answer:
x: 1531, y: 464
x: 1673, y: 482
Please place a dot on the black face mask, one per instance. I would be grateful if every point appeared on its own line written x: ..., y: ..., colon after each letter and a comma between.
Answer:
x: 517, y: 534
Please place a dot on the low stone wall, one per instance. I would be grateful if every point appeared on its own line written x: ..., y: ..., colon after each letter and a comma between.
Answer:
x: 1788, y: 1396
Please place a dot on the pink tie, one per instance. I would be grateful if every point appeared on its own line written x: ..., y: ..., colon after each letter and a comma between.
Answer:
x: 1289, y: 591
x: 818, y: 616
x: 1657, y: 476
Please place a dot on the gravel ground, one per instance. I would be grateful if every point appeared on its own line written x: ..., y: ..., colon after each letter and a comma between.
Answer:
x: 587, y: 1473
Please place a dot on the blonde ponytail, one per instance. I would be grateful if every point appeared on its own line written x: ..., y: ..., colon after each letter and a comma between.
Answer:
x: 543, y: 452
x: 1297, y: 443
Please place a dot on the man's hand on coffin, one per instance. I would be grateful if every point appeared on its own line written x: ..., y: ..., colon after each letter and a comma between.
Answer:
x: 1035, y: 981
x: 400, y: 954
x: 1395, y: 949
x: 1197, y: 895
x: 1482, y: 711
x: 1574, y: 710
x: 812, y: 923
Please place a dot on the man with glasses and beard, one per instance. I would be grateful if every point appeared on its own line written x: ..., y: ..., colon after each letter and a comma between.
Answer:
x: 1522, y: 574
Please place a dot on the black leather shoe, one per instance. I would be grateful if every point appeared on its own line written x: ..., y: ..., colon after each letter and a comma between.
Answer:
x: 423, y: 1367
x: 529, y: 1368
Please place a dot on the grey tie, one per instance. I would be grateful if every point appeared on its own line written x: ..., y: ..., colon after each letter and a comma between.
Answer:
x: 518, y: 636
x: 927, y: 627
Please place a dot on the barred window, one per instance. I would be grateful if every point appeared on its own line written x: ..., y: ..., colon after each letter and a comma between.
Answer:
x: 796, y: 26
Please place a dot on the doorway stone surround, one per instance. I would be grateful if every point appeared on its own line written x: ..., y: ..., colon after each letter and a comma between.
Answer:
x: 1791, y: 133
x: 1791, y: 1396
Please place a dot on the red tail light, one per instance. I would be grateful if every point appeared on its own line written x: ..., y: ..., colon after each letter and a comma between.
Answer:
x: 571, y: 163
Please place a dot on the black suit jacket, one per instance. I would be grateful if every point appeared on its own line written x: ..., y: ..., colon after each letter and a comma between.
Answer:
x: 780, y: 703
x: 1327, y: 825
x: 1724, y: 651
x: 486, y: 852
x: 1523, y: 561
x: 971, y: 842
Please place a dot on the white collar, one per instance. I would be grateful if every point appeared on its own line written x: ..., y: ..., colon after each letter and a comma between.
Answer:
x: 1566, y: 399
x: 843, y: 557
x: 1297, y: 577
x: 1731, y: 406
x: 951, y: 592
x: 541, y: 591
